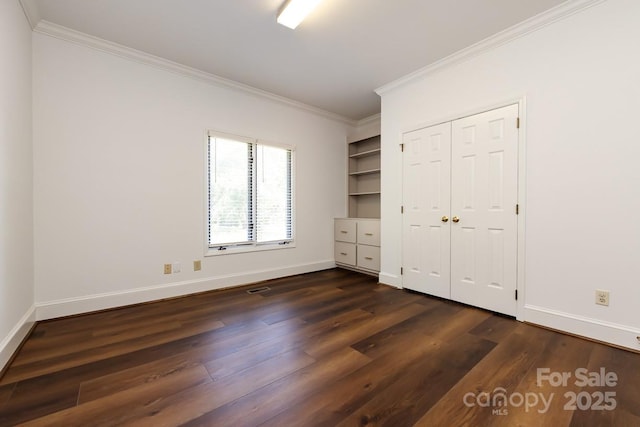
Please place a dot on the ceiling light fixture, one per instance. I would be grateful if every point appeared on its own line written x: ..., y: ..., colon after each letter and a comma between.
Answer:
x: 294, y: 11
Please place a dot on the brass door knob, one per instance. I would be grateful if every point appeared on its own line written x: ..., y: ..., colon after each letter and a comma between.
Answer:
x: 445, y: 218
x: 455, y: 219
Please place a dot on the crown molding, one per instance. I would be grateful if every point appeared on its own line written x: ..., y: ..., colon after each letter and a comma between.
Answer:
x: 560, y: 12
x: 30, y: 9
x: 370, y: 119
x: 77, y: 37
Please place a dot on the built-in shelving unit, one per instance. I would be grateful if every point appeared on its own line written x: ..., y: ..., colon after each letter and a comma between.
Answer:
x: 364, y: 178
x: 357, y: 238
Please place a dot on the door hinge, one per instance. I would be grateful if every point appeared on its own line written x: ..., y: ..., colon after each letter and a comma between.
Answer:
x: 518, y: 123
x: 517, y: 209
x: 516, y: 295
x: 401, y: 209
x: 401, y: 271
x: 402, y: 148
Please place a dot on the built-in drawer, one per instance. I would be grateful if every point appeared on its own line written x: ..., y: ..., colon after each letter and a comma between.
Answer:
x: 369, y: 257
x: 345, y: 253
x: 369, y: 233
x: 345, y: 230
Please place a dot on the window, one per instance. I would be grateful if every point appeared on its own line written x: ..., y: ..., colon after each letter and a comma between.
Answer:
x: 250, y: 195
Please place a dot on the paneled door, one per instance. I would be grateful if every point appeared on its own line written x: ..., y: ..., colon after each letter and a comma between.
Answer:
x: 426, y: 196
x: 484, y: 194
x: 459, y: 229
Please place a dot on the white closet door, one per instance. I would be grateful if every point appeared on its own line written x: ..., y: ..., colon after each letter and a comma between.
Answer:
x: 426, y: 198
x: 483, y: 210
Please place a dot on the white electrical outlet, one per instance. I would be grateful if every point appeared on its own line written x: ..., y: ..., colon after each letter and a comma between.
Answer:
x: 176, y: 267
x: 602, y: 297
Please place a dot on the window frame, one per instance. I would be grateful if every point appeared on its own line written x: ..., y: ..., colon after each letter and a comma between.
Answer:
x: 248, y: 246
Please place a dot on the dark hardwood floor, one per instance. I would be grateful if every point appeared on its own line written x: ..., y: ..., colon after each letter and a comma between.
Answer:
x: 331, y: 348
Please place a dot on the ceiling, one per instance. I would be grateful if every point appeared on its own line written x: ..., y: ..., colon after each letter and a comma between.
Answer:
x: 333, y: 61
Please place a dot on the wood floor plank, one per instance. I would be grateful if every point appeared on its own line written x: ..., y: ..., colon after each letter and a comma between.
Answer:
x: 406, y: 399
x: 39, y: 397
x: 266, y: 402
x: 255, y: 352
x: 320, y: 349
x: 116, y: 409
x: 195, y: 350
x: 385, y: 299
x: 434, y: 322
x: 383, y: 308
x: 187, y: 407
x: 230, y: 334
x: 190, y: 404
x: 569, y: 353
x: 5, y: 393
x: 354, y: 333
x: 627, y: 390
x: 93, y: 341
x: 285, y: 285
x: 65, y: 361
x: 144, y: 313
x: 449, y: 329
x: 239, y: 361
x: 333, y: 403
x: 329, y: 309
x: 504, y: 367
x: 126, y: 379
x: 301, y: 305
x: 292, y: 283
x: 495, y: 328
x: 199, y: 348
x: 258, y: 306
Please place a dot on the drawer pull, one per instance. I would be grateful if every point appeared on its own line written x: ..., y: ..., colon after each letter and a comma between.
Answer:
x: 343, y: 253
x: 368, y: 258
x: 343, y: 232
x: 368, y: 234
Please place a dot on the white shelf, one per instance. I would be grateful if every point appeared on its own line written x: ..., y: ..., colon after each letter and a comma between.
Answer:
x: 370, y: 171
x: 364, y: 193
x: 365, y: 153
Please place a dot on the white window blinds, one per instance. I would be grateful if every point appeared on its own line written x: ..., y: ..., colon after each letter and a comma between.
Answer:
x: 250, y: 192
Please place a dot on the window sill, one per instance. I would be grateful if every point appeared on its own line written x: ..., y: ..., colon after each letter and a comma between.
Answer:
x: 241, y: 249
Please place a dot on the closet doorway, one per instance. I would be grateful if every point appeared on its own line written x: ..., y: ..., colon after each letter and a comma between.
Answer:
x: 460, y: 196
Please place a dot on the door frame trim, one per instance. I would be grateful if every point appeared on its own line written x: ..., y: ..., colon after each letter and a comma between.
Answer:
x: 521, y: 101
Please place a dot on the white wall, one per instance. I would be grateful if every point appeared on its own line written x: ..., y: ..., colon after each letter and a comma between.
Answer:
x: 119, y: 180
x: 580, y: 77
x: 16, y: 170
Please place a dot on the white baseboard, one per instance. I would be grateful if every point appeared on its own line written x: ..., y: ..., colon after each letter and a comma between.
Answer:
x: 612, y: 333
x: 86, y: 304
x: 390, y: 279
x: 11, y: 342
